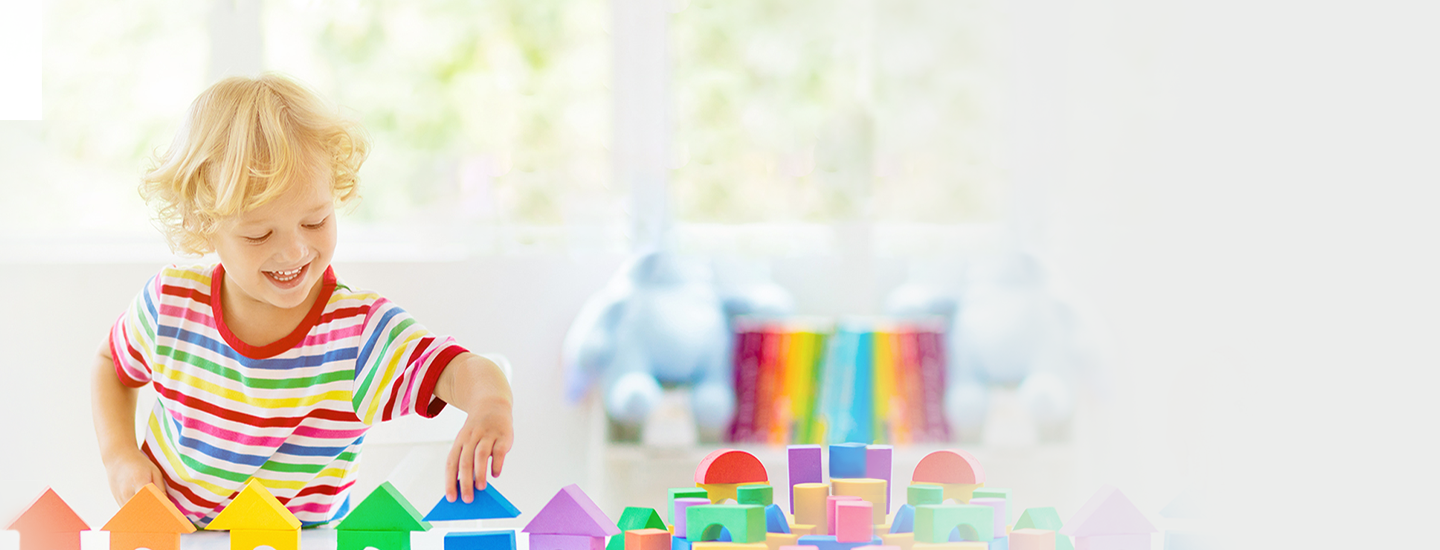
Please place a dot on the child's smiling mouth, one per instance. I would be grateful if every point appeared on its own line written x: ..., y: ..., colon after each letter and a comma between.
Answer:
x: 285, y: 278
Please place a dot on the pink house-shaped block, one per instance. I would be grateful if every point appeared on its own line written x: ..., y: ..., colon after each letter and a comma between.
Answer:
x: 1109, y: 521
x: 570, y: 521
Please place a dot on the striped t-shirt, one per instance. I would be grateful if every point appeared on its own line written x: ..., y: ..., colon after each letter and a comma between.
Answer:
x: 293, y: 413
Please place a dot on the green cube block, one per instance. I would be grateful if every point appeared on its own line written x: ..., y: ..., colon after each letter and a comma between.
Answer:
x: 916, y: 495
x: 934, y: 522
x: 986, y: 492
x: 745, y: 522
x: 360, y: 540
x: 763, y: 495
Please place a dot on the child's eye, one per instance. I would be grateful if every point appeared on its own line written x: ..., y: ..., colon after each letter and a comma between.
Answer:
x: 258, y: 240
x: 317, y: 225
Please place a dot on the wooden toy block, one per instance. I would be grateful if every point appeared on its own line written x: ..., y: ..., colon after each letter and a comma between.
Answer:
x: 149, y: 511
x: 481, y: 540
x: 935, y: 522
x: 805, y: 467
x: 853, y: 521
x: 904, y: 521
x: 830, y: 510
x: 632, y: 518
x: 385, y: 509
x: 774, y: 541
x: 960, y: 545
x: 254, y: 509
x: 903, y: 540
x: 121, y: 540
x: 551, y: 541
x: 250, y: 539
x: 571, y: 512
x: 1032, y: 539
x: 1107, y: 512
x: 847, y: 460
x: 958, y: 492
x: 355, y: 539
x: 48, y: 523
x: 873, y: 491
x: 647, y: 539
x: 487, y: 504
x: 684, y: 492
x: 730, y: 466
x: 718, y: 493
x: 763, y: 495
x: 801, y: 529
x: 1113, y: 542
x: 682, y: 504
x: 998, y: 504
x: 715, y: 545
x: 878, y: 460
x: 775, y: 521
x: 828, y: 542
x: 810, y: 507
x: 744, y: 522
x: 950, y: 466
x: 924, y: 493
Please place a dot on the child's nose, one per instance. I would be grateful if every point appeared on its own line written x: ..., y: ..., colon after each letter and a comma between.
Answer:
x: 293, y: 249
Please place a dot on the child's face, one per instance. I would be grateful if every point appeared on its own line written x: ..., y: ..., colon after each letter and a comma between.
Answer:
x: 277, y: 253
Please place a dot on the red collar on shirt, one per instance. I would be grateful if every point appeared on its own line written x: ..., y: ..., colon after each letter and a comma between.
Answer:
x: 327, y: 287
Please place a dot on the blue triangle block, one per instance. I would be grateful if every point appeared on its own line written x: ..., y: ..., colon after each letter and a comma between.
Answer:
x: 904, y: 521
x: 775, y: 520
x: 488, y: 504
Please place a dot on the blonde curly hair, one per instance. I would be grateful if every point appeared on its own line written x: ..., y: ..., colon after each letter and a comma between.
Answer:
x: 244, y: 141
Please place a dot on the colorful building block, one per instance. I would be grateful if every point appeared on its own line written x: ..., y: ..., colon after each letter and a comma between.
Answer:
x: 773, y: 541
x: 679, y: 543
x: 903, y: 540
x: 953, y: 545
x: 804, y: 462
x: 798, y: 547
x: 878, y: 459
x: 482, y: 540
x: 828, y: 542
x: 255, y: 518
x: 681, y: 504
x: 632, y: 518
x: 935, y: 522
x: 873, y: 491
x: 958, y: 492
x: 379, y: 540
x: 904, y: 521
x: 1044, y: 518
x: 48, y: 523
x: 487, y: 504
x: 950, y: 466
x: 718, y: 493
x: 918, y: 494
x: 550, y: 541
x: 683, y: 492
x: 384, y: 520
x: 853, y: 521
x: 1108, y: 512
x: 810, y: 507
x: 763, y: 495
x: 992, y: 492
x: 1000, y: 542
x: 830, y: 502
x: 775, y: 521
x: 716, y: 545
x: 878, y: 547
x: 148, y: 520
x: 730, y: 466
x: 1032, y: 539
x: 744, y: 522
x: 647, y: 539
x: 847, y: 460
x: 571, y: 512
x: 997, y: 504
x: 801, y: 529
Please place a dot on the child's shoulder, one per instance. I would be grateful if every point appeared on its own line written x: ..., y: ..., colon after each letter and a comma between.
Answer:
x: 186, y: 274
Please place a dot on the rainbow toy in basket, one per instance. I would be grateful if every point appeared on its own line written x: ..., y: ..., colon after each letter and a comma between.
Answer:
x: 731, y: 507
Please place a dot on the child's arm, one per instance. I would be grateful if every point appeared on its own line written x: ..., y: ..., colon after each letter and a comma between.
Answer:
x: 477, y: 386
x: 113, y: 406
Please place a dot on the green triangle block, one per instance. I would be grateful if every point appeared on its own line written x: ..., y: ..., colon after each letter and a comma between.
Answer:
x: 1048, y: 519
x: 384, y: 510
x: 634, y: 517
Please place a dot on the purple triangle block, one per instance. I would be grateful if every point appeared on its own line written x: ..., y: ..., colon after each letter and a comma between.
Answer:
x: 1107, y: 512
x: 571, y: 512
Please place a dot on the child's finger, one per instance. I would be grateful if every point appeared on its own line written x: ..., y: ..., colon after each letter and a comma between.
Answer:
x: 467, y: 473
x: 497, y: 457
x: 482, y: 462
x: 452, y: 463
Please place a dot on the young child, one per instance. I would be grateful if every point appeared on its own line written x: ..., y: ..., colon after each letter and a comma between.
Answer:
x: 265, y: 364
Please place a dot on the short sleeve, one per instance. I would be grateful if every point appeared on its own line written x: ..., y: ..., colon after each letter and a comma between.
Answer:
x: 132, y: 339
x: 398, y: 365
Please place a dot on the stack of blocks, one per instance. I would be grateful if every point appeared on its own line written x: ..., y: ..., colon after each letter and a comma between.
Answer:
x: 486, y: 504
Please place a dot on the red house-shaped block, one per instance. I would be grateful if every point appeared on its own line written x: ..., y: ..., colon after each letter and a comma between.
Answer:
x: 49, y: 524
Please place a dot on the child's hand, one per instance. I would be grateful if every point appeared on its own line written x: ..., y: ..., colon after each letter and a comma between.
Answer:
x: 130, y: 473
x: 483, y: 441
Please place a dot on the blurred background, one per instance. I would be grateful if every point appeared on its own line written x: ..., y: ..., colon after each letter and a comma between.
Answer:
x: 1210, y: 226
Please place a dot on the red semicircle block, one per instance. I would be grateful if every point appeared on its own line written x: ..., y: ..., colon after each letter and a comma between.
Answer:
x: 948, y: 466
x: 730, y: 466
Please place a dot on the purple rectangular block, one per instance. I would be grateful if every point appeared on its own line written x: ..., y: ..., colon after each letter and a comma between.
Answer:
x: 805, y: 467
x: 877, y: 466
x: 680, y: 505
x: 999, y: 505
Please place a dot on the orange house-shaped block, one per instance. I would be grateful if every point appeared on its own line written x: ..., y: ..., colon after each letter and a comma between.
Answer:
x: 149, y: 520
